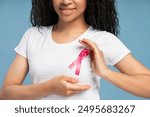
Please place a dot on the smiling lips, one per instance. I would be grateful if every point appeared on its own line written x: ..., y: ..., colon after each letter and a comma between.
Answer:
x: 67, y: 11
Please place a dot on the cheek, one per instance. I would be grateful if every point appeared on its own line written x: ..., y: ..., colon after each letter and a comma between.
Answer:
x: 55, y: 4
x: 56, y: 8
x: 82, y: 10
x: 82, y: 5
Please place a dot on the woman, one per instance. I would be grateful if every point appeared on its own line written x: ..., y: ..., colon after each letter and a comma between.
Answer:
x: 68, y: 50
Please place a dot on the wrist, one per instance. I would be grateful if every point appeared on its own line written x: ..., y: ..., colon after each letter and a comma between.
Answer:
x: 105, y: 73
x: 48, y: 87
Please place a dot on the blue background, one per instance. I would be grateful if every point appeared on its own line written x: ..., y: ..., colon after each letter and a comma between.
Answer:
x: 134, y: 18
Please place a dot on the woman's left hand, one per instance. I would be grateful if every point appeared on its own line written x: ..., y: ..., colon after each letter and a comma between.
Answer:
x: 97, y: 57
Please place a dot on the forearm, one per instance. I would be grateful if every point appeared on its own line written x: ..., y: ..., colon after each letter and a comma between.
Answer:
x: 26, y: 92
x: 1, y: 96
x: 136, y: 84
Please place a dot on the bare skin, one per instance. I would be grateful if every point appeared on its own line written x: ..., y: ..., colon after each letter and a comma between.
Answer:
x: 133, y: 76
x: 13, y: 88
x: 1, y: 96
x: 61, y: 85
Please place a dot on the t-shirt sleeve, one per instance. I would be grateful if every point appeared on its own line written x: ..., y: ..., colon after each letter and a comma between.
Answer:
x: 114, y: 50
x: 21, y: 48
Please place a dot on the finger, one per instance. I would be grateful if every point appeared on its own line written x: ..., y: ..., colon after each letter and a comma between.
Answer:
x: 92, y: 55
x: 79, y: 87
x: 71, y: 80
x: 91, y: 45
x: 85, y: 44
x: 94, y: 47
x: 75, y: 92
x: 71, y: 92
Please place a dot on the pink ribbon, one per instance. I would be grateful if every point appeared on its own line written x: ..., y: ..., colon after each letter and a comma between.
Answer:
x: 84, y: 53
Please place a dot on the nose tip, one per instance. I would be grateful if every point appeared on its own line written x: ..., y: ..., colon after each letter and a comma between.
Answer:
x: 65, y: 2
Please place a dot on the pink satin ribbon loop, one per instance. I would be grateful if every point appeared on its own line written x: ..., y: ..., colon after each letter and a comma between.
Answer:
x: 84, y: 53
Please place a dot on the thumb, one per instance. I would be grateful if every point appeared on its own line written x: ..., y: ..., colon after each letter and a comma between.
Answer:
x: 71, y: 80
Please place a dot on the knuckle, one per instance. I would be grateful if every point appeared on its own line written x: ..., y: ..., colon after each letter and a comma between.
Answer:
x: 62, y: 77
x: 67, y: 93
x: 66, y: 87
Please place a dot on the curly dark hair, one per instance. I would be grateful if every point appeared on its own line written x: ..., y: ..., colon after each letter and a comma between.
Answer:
x: 100, y: 14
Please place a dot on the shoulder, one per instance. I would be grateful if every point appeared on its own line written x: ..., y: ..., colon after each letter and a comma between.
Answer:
x: 36, y: 33
x: 108, y: 38
x: 109, y: 41
x: 37, y: 30
x: 103, y: 37
x: 114, y: 50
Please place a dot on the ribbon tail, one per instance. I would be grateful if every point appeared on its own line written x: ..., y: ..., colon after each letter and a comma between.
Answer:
x: 72, y: 64
x: 78, y: 68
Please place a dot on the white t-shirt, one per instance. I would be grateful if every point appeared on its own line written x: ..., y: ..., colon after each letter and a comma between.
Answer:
x: 48, y: 59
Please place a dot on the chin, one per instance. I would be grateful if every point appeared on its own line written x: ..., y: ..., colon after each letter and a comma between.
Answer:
x: 67, y: 19
x: 70, y: 18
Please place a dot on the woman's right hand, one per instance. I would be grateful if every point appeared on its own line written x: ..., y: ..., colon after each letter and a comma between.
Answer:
x: 66, y: 86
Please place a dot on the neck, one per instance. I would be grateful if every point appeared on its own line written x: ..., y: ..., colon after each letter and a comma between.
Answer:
x: 69, y: 27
